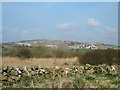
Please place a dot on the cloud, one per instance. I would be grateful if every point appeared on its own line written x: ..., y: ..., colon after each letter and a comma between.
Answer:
x: 93, y: 22
x: 66, y: 26
x: 102, y: 33
x: 112, y: 33
x: 110, y: 29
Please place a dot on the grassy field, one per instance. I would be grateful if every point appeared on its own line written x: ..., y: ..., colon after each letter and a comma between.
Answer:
x: 107, y: 56
x: 75, y: 81
x: 72, y: 80
x: 42, y: 62
x: 50, y: 58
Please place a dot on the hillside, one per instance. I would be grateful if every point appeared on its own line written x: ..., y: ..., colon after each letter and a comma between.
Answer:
x: 60, y: 43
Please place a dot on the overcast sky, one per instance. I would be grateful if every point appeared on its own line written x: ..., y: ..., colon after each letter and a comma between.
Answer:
x: 80, y: 21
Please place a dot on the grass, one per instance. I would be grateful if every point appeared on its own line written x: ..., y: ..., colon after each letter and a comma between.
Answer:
x: 86, y: 80
x: 74, y: 81
x: 93, y: 57
x: 41, y: 62
x: 111, y: 76
x: 49, y: 58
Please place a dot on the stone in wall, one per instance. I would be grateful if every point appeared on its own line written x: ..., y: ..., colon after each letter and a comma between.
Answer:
x: 8, y: 73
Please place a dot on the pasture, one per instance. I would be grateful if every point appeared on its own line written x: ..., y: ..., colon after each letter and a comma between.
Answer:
x: 65, y: 68
x: 42, y: 62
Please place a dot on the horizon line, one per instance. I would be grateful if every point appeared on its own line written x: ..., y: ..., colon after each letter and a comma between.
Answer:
x: 56, y: 40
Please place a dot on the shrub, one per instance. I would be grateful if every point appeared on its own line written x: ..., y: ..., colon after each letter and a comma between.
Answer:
x: 38, y: 51
x: 96, y: 57
x: 61, y: 53
x: 41, y: 51
x: 24, y: 52
x: 9, y: 52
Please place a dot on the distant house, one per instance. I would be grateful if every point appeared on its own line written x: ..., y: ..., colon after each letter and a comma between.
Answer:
x: 91, y: 47
x: 51, y: 46
x: 24, y: 44
x: 74, y: 47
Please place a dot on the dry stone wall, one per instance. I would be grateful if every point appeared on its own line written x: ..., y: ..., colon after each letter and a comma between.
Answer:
x: 8, y: 73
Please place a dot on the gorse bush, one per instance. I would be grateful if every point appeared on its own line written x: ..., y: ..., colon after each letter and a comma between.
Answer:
x: 24, y: 52
x: 96, y: 57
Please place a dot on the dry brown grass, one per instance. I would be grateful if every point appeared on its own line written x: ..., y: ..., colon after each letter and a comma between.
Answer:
x: 42, y: 62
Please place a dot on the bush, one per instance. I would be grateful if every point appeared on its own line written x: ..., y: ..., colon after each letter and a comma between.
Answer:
x: 61, y: 53
x: 24, y: 52
x: 41, y: 51
x: 9, y: 52
x: 96, y: 57
x: 38, y: 51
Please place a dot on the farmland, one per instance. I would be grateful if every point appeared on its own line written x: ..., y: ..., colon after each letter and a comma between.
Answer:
x: 45, y: 67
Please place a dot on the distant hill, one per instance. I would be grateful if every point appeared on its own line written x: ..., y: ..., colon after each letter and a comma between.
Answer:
x: 61, y: 43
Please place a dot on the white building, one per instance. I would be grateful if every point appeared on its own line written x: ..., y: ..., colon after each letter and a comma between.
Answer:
x: 74, y: 47
x: 24, y: 44
x: 51, y: 46
x: 91, y: 47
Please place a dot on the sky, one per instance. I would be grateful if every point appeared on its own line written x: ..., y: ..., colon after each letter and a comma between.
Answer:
x: 60, y: 0
x: 73, y: 21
